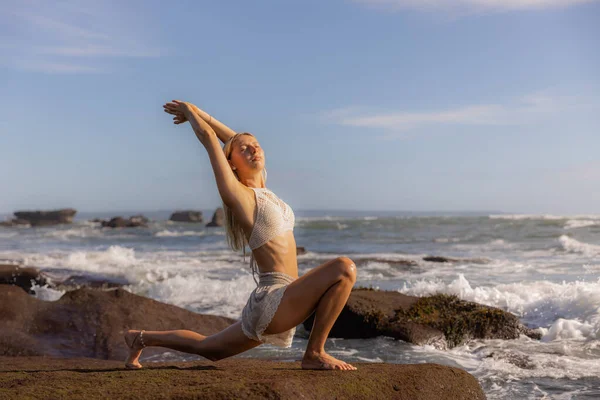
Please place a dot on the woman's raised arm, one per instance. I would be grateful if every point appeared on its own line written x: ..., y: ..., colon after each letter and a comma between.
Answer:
x: 222, y: 131
x: 230, y: 189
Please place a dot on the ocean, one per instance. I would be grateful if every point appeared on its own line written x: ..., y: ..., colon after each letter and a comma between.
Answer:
x: 543, y: 268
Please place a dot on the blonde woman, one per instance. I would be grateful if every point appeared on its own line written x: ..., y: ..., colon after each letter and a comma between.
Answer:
x: 257, y: 217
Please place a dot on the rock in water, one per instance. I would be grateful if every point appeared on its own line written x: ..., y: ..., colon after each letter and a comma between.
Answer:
x: 218, y: 218
x: 441, y: 320
x: 120, y: 222
x: 42, y: 218
x: 23, y: 277
x: 186, y: 216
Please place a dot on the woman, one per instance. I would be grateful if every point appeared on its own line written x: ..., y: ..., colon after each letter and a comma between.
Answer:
x: 256, y: 216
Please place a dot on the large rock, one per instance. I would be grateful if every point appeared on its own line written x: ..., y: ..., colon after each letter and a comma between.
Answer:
x: 218, y: 218
x: 88, y: 322
x: 42, y: 218
x: 186, y: 216
x: 237, y: 378
x: 443, y: 321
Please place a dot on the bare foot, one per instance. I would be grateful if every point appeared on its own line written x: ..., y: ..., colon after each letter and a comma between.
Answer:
x: 132, y: 340
x: 324, y: 361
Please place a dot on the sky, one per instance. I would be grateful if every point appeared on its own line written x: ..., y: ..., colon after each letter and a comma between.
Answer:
x: 405, y: 105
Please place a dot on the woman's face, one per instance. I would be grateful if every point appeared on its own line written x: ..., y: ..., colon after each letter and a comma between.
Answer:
x: 247, y: 156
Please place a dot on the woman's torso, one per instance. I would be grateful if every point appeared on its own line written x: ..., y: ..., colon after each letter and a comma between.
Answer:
x: 270, y: 233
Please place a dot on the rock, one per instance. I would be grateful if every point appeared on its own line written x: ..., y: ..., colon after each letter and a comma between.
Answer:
x: 441, y: 259
x: 23, y: 277
x: 23, y: 377
x: 43, y: 218
x: 186, y: 216
x: 441, y: 320
x: 88, y: 322
x: 218, y: 218
x: 300, y: 250
x: 14, y: 222
x: 120, y: 222
x: 139, y: 219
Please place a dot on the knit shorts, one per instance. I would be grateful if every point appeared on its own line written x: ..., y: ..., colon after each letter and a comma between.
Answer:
x: 261, y: 307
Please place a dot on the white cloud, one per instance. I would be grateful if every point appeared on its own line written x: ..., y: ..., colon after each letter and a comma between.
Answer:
x: 526, y: 110
x: 472, y: 5
x: 71, y: 36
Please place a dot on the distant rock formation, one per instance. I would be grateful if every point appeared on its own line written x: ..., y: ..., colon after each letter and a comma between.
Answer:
x: 186, y: 216
x: 218, y: 218
x: 442, y: 321
x: 120, y: 222
x: 42, y: 218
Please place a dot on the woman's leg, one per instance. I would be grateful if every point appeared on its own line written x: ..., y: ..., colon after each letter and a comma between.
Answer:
x: 325, y: 290
x: 226, y: 343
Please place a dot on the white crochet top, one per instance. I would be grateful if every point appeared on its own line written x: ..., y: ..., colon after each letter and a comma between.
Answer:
x: 273, y: 218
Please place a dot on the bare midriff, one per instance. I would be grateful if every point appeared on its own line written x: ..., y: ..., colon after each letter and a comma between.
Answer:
x: 278, y: 255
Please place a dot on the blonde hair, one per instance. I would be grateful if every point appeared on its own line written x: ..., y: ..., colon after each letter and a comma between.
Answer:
x: 236, y: 239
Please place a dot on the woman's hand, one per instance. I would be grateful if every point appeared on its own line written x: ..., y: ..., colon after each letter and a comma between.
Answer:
x: 179, y: 117
x: 184, y: 111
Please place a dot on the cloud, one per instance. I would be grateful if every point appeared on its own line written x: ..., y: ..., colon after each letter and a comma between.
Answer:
x: 529, y: 109
x: 71, y: 36
x: 471, y: 5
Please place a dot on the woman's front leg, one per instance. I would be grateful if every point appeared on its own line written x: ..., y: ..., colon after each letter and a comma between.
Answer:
x: 324, y: 290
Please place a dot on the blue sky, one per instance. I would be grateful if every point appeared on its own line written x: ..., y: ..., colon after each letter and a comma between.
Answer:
x: 364, y: 105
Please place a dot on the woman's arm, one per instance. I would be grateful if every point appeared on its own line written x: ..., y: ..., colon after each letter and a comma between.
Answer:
x: 231, y: 190
x: 222, y: 131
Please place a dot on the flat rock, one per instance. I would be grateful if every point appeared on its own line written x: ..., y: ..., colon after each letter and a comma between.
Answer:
x: 232, y: 378
x: 441, y: 320
x: 43, y: 218
x: 89, y: 322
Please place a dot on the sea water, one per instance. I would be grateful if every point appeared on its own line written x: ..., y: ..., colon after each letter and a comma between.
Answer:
x: 543, y: 268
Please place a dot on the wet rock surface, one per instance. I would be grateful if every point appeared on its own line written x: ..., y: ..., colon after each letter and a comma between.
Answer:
x: 443, y: 321
x: 23, y: 277
x: 232, y: 378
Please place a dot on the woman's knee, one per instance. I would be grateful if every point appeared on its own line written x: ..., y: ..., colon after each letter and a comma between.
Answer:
x: 347, y: 268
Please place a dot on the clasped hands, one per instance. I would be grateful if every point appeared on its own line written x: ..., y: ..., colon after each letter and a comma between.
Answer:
x: 180, y: 109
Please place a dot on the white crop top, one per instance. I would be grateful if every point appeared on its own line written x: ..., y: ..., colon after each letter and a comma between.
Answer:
x: 273, y: 218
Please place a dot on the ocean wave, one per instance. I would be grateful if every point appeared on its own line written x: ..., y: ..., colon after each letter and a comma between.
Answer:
x: 581, y: 223
x: 519, y: 217
x: 574, y: 246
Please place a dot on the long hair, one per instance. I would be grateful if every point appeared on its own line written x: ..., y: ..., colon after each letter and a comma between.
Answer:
x: 236, y: 238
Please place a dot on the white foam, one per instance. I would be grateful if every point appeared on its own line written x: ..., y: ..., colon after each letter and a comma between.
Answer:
x: 168, y: 233
x: 199, y: 293
x: 46, y: 293
x: 571, y: 245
